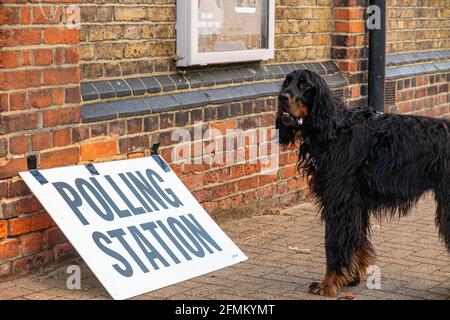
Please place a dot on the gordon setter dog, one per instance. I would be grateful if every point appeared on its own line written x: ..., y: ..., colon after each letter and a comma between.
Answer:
x: 361, y: 164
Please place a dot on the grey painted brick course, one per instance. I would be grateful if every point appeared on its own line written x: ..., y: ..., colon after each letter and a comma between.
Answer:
x: 196, y: 79
x: 98, y: 112
x: 247, y: 74
x: 166, y: 83
x: 316, y: 67
x: 236, y: 76
x: 180, y: 81
x: 417, y: 69
x: 221, y: 95
x: 259, y: 73
x: 136, y: 85
x: 267, y: 89
x: 207, y: 79
x: 287, y: 68
x: 121, y: 88
x: 336, y: 80
x: 243, y: 92
x: 151, y: 84
x: 105, y: 89
x: 416, y: 57
x: 221, y: 77
x: 192, y: 99
x: 131, y: 107
x: 88, y: 91
x: 277, y: 72
x: 163, y: 103
x: 443, y: 66
x: 330, y: 67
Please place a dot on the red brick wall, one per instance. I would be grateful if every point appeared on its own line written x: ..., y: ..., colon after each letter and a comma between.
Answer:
x: 40, y: 115
x: 39, y: 105
x: 40, y: 112
x: 426, y: 95
x: 349, y: 50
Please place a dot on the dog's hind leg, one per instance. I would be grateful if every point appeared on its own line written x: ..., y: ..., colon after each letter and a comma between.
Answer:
x: 442, y: 195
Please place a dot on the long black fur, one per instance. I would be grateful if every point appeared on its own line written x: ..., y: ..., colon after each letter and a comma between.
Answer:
x: 362, y: 163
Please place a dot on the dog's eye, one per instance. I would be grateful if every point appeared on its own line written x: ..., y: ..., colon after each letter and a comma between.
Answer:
x: 302, y: 84
x: 286, y: 82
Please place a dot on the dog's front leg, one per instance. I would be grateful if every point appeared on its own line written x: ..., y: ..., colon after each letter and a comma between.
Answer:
x: 330, y: 286
x: 337, y: 273
x: 348, y: 252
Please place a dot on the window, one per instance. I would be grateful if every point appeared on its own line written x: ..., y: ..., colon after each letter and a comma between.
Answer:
x: 221, y: 31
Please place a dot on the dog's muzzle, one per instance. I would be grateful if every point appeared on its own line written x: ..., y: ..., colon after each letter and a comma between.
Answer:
x: 290, y: 121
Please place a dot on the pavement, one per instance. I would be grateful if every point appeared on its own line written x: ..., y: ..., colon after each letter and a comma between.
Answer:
x: 286, y: 254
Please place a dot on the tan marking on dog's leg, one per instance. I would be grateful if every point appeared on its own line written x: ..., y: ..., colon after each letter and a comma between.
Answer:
x: 332, y: 283
x: 361, y: 260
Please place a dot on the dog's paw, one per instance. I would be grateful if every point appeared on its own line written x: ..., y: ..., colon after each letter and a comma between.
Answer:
x: 323, y: 289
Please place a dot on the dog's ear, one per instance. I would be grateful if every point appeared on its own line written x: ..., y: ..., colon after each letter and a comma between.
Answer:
x: 324, y: 111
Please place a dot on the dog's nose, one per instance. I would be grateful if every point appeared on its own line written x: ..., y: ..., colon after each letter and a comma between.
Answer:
x: 284, y: 97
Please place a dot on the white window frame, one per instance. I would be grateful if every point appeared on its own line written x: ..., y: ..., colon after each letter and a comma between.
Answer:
x: 187, y: 39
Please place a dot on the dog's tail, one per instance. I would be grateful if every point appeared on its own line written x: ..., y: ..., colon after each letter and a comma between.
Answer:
x: 442, y: 194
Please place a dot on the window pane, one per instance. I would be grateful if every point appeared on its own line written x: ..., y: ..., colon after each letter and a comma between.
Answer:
x: 232, y: 25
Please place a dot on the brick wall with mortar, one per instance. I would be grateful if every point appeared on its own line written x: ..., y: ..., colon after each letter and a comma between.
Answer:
x: 138, y: 36
x: 40, y: 115
x: 423, y: 94
x: 40, y: 109
x: 40, y: 75
x: 349, y: 47
x: 417, y: 32
x: 415, y: 25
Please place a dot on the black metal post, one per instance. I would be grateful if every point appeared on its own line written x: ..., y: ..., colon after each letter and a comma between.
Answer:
x: 377, y: 57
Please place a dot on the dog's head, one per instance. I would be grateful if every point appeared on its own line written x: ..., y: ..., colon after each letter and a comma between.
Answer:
x: 305, y: 101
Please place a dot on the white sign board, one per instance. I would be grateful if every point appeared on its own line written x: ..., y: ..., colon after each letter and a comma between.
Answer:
x: 134, y: 223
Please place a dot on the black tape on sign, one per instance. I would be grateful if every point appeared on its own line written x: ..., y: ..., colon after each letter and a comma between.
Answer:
x: 92, y: 169
x: 155, y: 148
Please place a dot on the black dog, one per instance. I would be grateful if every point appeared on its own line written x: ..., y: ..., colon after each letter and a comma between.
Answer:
x: 361, y: 164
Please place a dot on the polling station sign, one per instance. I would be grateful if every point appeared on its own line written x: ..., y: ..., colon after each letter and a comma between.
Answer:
x: 134, y: 223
